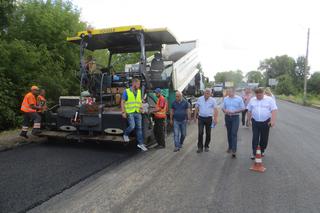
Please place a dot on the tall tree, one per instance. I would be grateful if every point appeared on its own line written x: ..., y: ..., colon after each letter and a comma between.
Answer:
x: 6, y: 9
x: 278, y: 66
x: 235, y: 76
x: 255, y: 77
x: 35, y: 51
x: 298, y: 75
x: 314, y: 83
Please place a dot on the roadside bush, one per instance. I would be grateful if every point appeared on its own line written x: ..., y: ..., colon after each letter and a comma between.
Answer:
x: 285, y: 85
x: 314, y: 83
x: 7, y: 103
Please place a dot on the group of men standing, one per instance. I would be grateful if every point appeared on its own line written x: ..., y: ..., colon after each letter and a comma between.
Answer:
x: 132, y: 110
x: 33, y: 104
x: 260, y: 110
x: 261, y: 114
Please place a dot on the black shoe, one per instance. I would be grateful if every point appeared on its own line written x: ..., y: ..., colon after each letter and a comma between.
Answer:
x: 160, y: 147
x: 199, y: 150
x: 234, y: 155
x: 206, y: 149
x: 24, y: 134
x: 36, y: 132
x: 252, y: 157
x: 176, y: 149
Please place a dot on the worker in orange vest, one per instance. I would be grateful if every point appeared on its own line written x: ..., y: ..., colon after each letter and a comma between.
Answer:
x: 160, y: 115
x: 41, y: 101
x: 29, y: 108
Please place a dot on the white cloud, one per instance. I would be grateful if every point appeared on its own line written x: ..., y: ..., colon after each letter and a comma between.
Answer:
x: 232, y: 34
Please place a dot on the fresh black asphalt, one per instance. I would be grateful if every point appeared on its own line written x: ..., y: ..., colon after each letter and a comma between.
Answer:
x: 33, y: 173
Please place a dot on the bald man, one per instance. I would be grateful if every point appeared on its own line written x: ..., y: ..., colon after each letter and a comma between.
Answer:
x: 179, y: 115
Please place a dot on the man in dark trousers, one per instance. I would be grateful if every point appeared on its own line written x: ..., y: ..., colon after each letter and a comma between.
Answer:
x: 262, y: 112
x: 160, y: 115
x: 29, y: 108
x: 232, y: 107
x: 206, y: 113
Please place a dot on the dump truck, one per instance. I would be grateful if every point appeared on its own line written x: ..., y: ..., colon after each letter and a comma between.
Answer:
x: 217, y: 90
x: 95, y: 114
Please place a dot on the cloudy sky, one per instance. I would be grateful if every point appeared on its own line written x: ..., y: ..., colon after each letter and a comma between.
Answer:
x: 232, y: 34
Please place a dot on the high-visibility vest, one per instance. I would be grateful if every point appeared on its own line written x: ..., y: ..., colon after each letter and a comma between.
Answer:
x: 134, y: 103
x: 41, y: 101
x: 27, y: 101
x: 162, y: 113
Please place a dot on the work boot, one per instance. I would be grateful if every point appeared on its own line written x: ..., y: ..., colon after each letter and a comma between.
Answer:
x: 24, y: 134
x: 199, y: 150
x: 36, y: 132
x: 176, y: 149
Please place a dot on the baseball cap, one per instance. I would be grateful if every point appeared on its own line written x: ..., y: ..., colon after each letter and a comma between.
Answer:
x: 157, y: 90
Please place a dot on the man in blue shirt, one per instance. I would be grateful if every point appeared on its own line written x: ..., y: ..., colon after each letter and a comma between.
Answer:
x: 206, y: 113
x: 232, y: 106
x: 179, y: 115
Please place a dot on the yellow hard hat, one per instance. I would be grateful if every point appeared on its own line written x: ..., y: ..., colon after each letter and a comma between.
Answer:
x: 34, y: 88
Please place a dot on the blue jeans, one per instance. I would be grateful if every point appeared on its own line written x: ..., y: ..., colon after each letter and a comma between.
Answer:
x: 232, y: 124
x: 135, y: 122
x: 180, y: 131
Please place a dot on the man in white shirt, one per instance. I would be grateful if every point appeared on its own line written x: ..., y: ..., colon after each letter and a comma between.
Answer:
x: 262, y: 111
x: 206, y: 113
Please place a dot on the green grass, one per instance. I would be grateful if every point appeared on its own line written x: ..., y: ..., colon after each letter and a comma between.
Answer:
x: 9, y: 132
x: 312, y: 100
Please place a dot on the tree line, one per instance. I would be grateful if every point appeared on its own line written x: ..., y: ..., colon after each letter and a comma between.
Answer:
x: 289, y: 73
x: 34, y: 51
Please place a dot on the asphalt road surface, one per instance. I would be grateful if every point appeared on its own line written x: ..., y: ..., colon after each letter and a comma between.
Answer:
x: 31, y: 174
x: 164, y: 181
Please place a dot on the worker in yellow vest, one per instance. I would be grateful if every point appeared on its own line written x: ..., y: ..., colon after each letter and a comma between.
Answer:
x: 160, y: 115
x: 131, y: 106
x: 29, y: 108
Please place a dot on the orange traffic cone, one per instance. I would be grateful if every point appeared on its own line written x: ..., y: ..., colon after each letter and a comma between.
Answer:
x: 258, y: 166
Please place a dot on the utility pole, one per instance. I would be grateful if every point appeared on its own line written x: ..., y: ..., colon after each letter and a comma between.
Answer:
x: 306, y: 71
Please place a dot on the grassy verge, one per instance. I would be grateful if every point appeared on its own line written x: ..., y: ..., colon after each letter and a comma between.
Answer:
x: 11, y: 139
x: 312, y: 100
